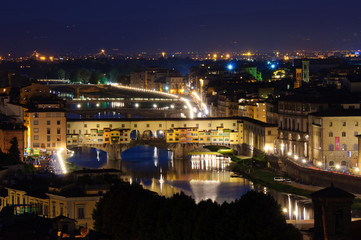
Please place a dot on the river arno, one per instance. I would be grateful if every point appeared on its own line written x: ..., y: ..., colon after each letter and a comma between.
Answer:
x: 203, y: 178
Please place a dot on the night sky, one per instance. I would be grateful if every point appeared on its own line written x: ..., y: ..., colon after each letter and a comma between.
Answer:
x: 85, y: 26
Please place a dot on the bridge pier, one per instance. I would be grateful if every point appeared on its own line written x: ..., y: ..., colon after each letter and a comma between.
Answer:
x: 181, y: 150
x: 114, y: 152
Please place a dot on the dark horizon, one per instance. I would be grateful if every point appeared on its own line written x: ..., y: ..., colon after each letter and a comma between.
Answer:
x: 83, y: 27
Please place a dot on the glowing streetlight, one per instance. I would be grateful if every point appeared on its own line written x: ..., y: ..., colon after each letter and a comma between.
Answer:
x: 230, y: 67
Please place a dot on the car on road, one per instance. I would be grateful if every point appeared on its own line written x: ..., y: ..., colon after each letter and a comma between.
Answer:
x: 278, y: 179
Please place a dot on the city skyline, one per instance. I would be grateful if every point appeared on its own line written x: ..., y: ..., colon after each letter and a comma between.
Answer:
x: 129, y: 27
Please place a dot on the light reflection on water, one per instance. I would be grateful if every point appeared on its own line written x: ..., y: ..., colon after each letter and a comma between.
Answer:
x: 202, y: 177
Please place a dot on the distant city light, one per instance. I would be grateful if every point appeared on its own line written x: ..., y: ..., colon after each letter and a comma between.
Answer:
x: 273, y: 66
x: 230, y: 66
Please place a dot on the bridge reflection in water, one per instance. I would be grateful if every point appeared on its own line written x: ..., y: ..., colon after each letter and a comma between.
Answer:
x: 202, y: 178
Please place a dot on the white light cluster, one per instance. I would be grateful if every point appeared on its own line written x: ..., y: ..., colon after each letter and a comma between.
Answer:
x: 61, y: 161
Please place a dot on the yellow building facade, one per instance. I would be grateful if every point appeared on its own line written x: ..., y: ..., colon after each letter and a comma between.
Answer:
x: 46, y: 130
x: 54, y: 204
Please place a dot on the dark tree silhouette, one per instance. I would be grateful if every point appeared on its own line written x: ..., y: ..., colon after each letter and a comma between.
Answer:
x: 130, y: 212
x: 14, y: 153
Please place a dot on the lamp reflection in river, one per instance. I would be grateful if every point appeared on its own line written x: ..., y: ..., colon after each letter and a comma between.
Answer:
x: 204, y: 189
x: 155, y: 156
x: 209, y: 162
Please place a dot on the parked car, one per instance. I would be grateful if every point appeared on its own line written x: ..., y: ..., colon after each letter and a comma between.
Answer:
x: 287, y: 180
x: 278, y: 179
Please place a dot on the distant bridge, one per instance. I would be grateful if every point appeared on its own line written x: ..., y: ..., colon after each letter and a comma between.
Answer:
x: 89, y: 100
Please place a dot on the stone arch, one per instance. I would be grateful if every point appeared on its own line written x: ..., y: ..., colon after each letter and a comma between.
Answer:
x: 159, y: 134
x: 147, y: 134
x: 134, y: 135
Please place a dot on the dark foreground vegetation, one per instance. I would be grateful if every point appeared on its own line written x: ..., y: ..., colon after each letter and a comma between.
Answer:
x: 130, y: 212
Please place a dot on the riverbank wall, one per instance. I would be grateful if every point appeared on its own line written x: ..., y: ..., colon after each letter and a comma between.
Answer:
x: 310, y: 176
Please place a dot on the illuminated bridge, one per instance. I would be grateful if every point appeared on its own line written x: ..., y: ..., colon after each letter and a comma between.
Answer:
x: 126, y: 102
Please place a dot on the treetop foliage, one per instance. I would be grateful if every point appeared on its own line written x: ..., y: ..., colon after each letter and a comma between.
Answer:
x: 130, y: 212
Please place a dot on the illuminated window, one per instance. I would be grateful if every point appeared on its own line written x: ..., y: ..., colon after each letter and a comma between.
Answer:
x: 36, y: 130
x: 36, y: 137
x: 344, y: 147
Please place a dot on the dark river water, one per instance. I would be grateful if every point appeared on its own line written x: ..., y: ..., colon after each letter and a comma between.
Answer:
x: 202, y: 177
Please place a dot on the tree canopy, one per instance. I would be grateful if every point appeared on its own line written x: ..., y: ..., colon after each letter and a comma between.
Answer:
x: 130, y: 212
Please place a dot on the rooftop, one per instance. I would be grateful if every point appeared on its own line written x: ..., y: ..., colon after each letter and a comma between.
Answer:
x: 339, y: 112
x: 332, y: 192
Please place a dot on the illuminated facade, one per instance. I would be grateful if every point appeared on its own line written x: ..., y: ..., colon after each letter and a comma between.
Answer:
x: 148, y: 128
x: 260, y: 135
x: 253, y: 108
x: 221, y: 131
x: 193, y: 135
x: 333, y: 140
x: 79, y: 207
x: 46, y: 129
